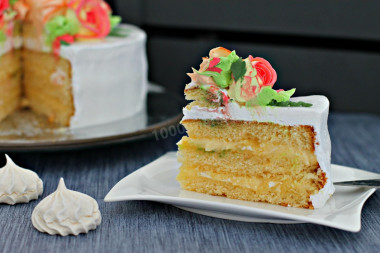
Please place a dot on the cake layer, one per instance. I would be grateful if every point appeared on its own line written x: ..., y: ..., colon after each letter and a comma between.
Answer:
x: 253, y: 179
x: 277, y: 159
x: 11, y: 43
x: 282, y: 190
x: 10, y: 65
x: 10, y: 82
x: 202, y: 98
x: 256, y: 133
x: 47, y: 86
x: 10, y: 102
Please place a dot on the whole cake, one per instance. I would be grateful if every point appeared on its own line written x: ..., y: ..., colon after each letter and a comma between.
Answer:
x: 79, y: 67
x: 250, y: 142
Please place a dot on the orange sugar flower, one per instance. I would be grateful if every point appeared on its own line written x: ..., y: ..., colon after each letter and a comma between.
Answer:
x: 4, y: 4
x: 21, y: 8
x: 266, y: 75
x: 94, y: 16
x: 41, y: 11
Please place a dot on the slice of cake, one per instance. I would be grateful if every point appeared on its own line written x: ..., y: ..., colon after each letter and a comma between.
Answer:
x: 80, y: 68
x: 247, y: 141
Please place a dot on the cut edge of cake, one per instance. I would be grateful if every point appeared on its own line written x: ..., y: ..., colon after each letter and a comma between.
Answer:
x: 315, y: 117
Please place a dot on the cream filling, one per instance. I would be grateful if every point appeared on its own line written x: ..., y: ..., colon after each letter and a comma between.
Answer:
x: 253, y: 183
x: 256, y: 184
x: 9, y: 44
x: 264, y: 149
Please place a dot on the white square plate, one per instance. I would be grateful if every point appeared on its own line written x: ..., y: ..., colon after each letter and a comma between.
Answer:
x: 156, y: 182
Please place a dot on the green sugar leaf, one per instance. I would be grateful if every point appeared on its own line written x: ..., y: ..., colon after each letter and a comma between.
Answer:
x: 64, y: 43
x: 267, y: 94
x: 289, y: 104
x: 3, y: 37
x: 118, y: 32
x: 238, y: 69
x: 61, y: 25
x: 207, y: 73
x: 223, y: 78
x: 204, y: 87
x: 115, y: 21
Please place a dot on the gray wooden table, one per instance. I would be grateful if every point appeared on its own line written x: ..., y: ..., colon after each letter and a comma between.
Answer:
x: 141, y: 226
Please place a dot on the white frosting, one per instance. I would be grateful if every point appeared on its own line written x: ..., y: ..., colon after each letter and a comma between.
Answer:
x: 18, y: 185
x: 9, y: 44
x: 204, y: 174
x: 66, y: 212
x: 315, y: 116
x: 109, y: 77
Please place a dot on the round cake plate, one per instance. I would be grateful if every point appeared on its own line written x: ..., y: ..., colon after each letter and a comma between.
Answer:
x: 25, y: 131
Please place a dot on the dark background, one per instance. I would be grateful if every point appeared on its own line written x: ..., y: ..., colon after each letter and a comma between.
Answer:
x: 319, y: 47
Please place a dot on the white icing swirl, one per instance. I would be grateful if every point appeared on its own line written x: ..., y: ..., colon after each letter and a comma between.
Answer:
x: 66, y: 212
x: 18, y: 185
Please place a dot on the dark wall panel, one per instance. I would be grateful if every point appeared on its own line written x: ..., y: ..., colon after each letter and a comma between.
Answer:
x: 328, y: 18
x: 329, y: 47
x: 350, y: 79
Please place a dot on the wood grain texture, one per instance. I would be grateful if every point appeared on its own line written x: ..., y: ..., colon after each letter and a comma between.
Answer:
x: 141, y: 226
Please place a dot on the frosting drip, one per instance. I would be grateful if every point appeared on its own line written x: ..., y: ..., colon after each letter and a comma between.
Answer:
x: 18, y: 185
x: 66, y: 212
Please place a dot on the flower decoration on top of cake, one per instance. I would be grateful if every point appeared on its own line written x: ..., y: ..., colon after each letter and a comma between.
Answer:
x: 10, y: 11
x: 228, y: 77
x: 4, y: 8
x: 62, y: 22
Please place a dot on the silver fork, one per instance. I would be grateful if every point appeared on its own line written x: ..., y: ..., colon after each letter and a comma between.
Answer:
x: 373, y: 183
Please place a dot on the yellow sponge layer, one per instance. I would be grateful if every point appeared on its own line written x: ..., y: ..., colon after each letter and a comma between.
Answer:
x: 281, y: 190
x: 10, y: 83
x: 202, y: 98
x: 299, y: 137
x: 240, y: 160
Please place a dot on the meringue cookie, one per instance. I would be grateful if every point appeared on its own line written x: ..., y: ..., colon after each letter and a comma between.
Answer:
x: 66, y: 212
x: 18, y: 185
